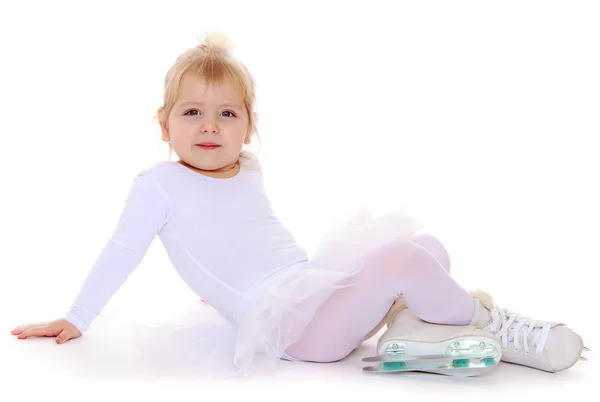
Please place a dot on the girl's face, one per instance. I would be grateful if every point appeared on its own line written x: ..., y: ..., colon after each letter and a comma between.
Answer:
x: 207, y: 126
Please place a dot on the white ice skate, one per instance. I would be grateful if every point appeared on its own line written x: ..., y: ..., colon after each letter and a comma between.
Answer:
x: 544, y: 345
x: 411, y: 344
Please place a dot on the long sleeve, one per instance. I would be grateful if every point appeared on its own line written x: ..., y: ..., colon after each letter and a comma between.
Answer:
x: 147, y: 209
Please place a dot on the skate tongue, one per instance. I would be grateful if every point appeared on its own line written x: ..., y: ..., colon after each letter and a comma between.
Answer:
x: 482, y: 317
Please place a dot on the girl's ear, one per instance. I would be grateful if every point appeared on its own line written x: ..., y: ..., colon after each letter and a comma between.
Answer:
x: 248, y: 138
x: 163, y: 127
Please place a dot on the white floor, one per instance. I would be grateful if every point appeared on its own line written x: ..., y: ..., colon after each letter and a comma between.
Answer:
x: 102, y: 366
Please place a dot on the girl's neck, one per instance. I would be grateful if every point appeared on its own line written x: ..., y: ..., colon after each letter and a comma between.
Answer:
x: 226, y: 172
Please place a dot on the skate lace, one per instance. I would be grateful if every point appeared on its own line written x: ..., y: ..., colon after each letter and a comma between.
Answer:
x: 517, y: 329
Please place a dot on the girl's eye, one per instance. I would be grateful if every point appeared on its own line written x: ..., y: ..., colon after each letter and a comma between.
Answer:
x: 191, y: 113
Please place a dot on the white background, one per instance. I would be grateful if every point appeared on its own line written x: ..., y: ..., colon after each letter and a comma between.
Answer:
x: 482, y: 117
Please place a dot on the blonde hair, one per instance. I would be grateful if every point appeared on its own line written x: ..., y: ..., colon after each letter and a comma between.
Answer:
x: 211, y: 62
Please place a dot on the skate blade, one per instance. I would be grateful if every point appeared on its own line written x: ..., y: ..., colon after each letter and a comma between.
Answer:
x: 582, y: 358
x: 468, y: 372
x: 462, y: 357
x: 451, y: 367
x: 429, y: 361
x: 457, y: 349
x: 405, y: 358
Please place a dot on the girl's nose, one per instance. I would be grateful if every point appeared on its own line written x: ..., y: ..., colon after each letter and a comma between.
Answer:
x: 209, y: 128
x: 209, y: 125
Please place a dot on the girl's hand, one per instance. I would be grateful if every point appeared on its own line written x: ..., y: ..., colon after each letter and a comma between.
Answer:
x: 62, y: 329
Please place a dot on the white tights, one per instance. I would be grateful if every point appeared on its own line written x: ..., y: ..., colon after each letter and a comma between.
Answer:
x: 417, y: 268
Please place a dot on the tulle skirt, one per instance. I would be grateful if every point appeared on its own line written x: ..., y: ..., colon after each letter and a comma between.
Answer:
x: 274, y: 315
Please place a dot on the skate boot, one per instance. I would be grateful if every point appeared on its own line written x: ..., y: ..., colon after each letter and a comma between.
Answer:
x: 411, y: 344
x: 544, y: 345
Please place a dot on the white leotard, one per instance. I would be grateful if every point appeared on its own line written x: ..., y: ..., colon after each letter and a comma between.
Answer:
x: 220, y: 234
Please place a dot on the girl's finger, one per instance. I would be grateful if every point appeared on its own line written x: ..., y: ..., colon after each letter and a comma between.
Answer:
x: 25, y: 327
x: 22, y: 328
x: 63, y: 336
x: 37, y: 331
x: 18, y: 330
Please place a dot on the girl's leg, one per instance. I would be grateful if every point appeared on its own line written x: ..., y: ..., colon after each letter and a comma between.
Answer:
x: 402, y: 267
x: 437, y: 250
x: 435, y: 247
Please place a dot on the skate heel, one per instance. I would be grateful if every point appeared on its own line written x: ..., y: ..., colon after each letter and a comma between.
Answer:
x: 465, y: 356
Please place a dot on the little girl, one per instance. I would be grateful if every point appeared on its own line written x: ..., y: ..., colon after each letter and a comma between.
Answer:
x: 212, y: 215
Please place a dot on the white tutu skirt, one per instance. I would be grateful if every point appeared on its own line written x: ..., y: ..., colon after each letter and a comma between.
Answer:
x: 204, y: 343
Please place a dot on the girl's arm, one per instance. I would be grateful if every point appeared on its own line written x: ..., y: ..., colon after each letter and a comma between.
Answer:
x: 147, y: 209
